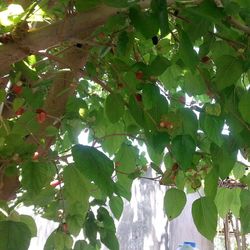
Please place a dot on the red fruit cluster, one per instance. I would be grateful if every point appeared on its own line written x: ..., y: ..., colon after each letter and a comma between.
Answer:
x: 166, y: 124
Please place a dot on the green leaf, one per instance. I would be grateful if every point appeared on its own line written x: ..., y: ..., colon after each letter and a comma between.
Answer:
x: 229, y: 70
x: 30, y: 222
x: 2, y: 95
x: 228, y: 200
x: 158, y: 65
x: 189, y: 121
x: 75, y: 222
x: 136, y: 111
x: 26, y: 70
x: 83, y: 245
x: 171, y: 78
x: 183, y: 148
x: 146, y: 23
x: 104, y: 217
x: 124, y: 43
x: 194, y: 83
x: 114, y: 107
x: 91, y: 228
x: 14, y: 235
x: 59, y: 241
x: 36, y: 175
x: 174, y: 202
x: 95, y: 165
x: 224, y: 159
x: 187, y: 52
x: 75, y: 186
x: 239, y: 170
x: 245, y: 210
x: 211, y: 183
x: 116, y: 206
x: 204, y: 214
x: 159, y: 7
x: 119, y: 3
x: 244, y: 105
x: 212, y: 126
x: 18, y: 103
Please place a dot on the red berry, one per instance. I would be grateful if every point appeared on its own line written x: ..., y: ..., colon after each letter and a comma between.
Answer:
x: 182, y: 99
x: 35, y: 156
x: 205, y: 59
x: 117, y: 164
x: 41, y: 117
x: 139, y: 75
x: 120, y: 85
x: 55, y: 183
x: 17, y: 89
x: 65, y: 228
x: 101, y: 35
x: 20, y: 111
x: 166, y: 124
x: 162, y: 124
x: 138, y: 97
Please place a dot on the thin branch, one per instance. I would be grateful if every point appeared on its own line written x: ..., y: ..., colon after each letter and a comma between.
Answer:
x: 238, y: 25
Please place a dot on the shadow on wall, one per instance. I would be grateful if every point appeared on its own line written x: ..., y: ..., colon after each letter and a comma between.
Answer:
x: 144, y: 226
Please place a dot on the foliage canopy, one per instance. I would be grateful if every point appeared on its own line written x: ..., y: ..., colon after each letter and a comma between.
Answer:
x: 169, y: 75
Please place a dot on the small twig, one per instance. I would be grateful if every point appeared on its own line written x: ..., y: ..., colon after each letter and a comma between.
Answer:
x: 238, y: 25
x: 61, y: 194
x: 227, y: 39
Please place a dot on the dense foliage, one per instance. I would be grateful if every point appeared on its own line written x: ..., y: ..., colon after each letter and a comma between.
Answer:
x: 169, y: 76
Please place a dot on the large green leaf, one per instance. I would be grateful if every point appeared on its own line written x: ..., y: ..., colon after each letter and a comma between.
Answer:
x: 245, y: 210
x: 189, y: 122
x: 75, y: 187
x: 229, y: 70
x: 212, y: 126
x: 224, y: 159
x: 146, y: 23
x: 158, y: 65
x: 14, y: 235
x: 187, y: 53
x: 36, y: 175
x: 107, y: 233
x: 83, y: 245
x: 211, y: 183
x: 228, y: 200
x: 114, y: 107
x: 136, y: 110
x: 95, y: 165
x: 174, y: 202
x: 204, y: 213
x: 116, y: 206
x: 159, y: 7
x: 183, y: 148
x: 244, y: 105
x: 59, y: 240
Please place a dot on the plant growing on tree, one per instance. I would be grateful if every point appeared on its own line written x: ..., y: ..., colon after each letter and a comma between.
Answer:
x: 171, y: 75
